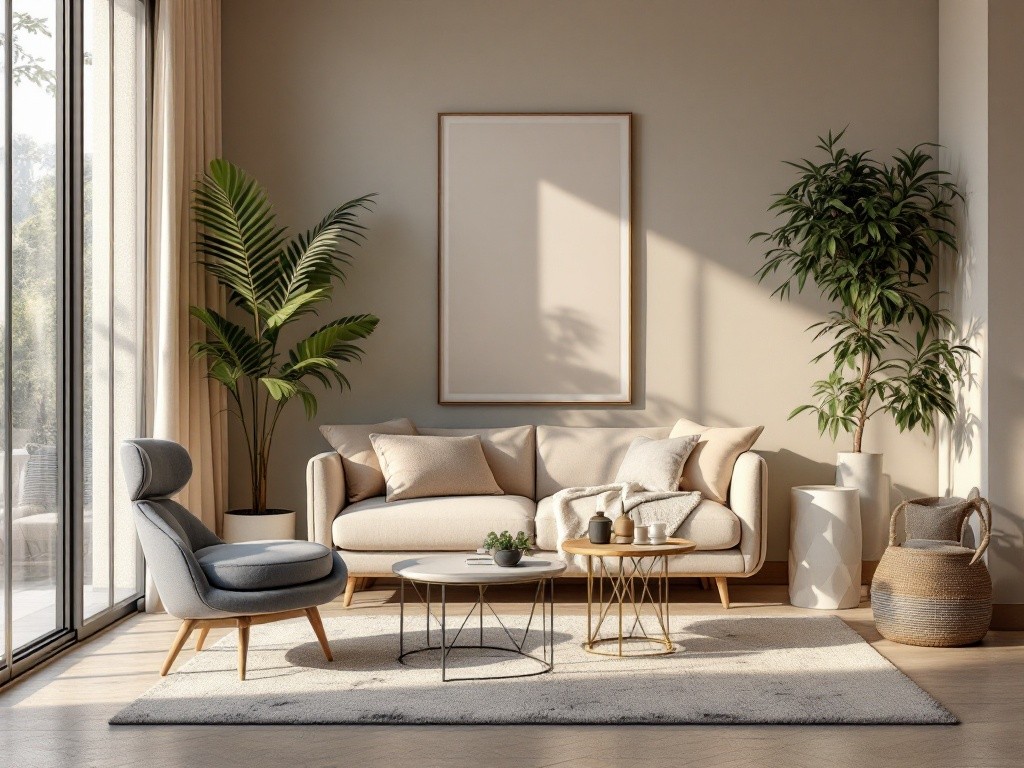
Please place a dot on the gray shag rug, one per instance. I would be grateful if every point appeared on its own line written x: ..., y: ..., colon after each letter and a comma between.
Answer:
x: 734, y: 669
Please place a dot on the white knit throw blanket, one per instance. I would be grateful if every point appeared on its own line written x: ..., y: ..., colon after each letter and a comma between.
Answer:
x: 618, y: 499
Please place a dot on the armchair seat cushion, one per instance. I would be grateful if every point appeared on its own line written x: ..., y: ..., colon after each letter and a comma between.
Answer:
x: 263, y: 565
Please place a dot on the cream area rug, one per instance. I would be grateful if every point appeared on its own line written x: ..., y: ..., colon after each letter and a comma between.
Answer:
x: 735, y: 669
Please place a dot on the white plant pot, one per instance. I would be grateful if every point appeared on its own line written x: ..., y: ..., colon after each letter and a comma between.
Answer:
x: 824, y: 547
x: 863, y: 471
x: 279, y: 524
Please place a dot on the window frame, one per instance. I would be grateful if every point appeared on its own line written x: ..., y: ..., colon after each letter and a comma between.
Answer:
x: 69, y: 552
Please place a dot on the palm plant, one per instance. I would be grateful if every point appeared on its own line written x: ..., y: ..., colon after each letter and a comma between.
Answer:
x: 274, y: 280
x: 866, y: 233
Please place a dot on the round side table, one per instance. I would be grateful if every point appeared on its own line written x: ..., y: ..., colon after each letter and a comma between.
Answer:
x: 637, y: 579
x: 824, y: 547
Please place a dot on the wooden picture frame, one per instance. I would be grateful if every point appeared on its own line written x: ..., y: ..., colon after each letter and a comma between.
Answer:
x: 535, y: 258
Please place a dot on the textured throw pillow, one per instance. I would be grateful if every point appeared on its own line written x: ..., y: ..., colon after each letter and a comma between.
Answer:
x: 656, y: 465
x: 936, y: 518
x: 416, y: 467
x: 709, y: 468
x: 511, y: 454
x: 363, y: 478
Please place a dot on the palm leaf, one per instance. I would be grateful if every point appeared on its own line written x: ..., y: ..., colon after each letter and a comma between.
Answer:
x: 313, y: 259
x: 238, y: 237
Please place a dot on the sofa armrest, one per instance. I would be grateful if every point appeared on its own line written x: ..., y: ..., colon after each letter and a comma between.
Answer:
x: 748, y: 499
x: 325, y: 496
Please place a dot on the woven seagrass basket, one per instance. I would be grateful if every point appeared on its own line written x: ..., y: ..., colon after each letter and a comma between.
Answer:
x: 934, y: 593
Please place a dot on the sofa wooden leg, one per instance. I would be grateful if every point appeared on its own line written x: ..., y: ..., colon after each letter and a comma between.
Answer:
x: 179, y: 642
x: 318, y: 628
x: 369, y: 583
x: 203, y: 632
x: 723, y: 590
x: 704, y: 583
x: 243, y: 644
x: 350, y: 589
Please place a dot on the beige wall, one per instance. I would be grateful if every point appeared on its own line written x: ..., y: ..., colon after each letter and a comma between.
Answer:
x: 981, y: 119
x: 327, y: 100
x: 1006, y: 280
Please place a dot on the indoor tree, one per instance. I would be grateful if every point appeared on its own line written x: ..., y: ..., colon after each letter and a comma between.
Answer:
x: 272, y: 280
x: 867, y: 233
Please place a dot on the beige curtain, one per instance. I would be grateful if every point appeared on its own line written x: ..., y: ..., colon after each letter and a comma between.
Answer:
x: 184, y: 405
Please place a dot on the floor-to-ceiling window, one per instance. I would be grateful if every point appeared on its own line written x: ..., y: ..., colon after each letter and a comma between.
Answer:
x: 73, y: 92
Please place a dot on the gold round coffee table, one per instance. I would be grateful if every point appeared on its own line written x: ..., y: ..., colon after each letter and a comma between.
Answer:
x: 642, y: 570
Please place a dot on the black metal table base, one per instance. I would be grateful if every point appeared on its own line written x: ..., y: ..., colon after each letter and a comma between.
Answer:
x: 544, y: 596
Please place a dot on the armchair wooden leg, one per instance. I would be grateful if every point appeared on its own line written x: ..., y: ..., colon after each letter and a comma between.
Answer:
x: 179, y: 642
x: 318, y: 628
x: 723, y: 590
x: 243, y: 644
x: 203, y: 632
x: 350, y: 589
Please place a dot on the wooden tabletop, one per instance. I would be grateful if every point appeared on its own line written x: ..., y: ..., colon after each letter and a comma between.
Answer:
x: 670, y: 547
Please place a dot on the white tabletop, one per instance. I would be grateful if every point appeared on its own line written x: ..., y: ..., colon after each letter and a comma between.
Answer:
x: 453, y: 569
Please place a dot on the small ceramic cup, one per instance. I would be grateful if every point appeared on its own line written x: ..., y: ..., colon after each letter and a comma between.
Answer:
x: 657, y: 532
x: 640, y: 535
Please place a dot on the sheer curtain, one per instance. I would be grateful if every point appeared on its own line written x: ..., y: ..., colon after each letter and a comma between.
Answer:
x: 184, y: 405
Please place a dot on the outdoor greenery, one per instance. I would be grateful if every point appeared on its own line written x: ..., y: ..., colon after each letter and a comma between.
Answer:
x: 867, y: 234
x: 273, y: 281
x: 505, y: 540
x: 33, y: 255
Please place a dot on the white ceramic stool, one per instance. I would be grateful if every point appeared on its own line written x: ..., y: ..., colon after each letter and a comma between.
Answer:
x: 824, y: 547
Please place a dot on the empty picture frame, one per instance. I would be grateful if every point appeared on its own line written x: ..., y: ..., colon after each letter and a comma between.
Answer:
x: 534, y: 258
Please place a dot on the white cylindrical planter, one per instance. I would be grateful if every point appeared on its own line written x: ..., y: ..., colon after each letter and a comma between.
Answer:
x: 824, y: 547
x: 279, y: 524
x: 863, y: 471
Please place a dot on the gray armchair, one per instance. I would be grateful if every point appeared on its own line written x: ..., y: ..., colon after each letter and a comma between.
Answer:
x: 207, y: 583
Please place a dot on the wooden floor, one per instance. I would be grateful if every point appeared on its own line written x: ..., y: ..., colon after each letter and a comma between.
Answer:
x: 58, y: 716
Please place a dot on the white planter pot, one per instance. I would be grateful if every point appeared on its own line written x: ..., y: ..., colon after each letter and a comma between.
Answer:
x: 863, y: 471
x: 277, y: 525
x: 824, y: 547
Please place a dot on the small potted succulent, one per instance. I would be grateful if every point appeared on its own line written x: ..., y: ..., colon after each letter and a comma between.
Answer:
x: 506, y: 549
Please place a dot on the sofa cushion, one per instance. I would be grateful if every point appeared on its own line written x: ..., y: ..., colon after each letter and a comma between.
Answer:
x: 710, y: 526
x: 445, y: 524
x: 656, y: 465
x: 416, y: 466
x: 709, y: 468
x: 510, y: 453
x: 259, y: 565
x: 363, y: 478
x: 568, y: 457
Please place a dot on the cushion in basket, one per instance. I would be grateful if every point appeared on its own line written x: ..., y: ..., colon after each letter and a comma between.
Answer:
x: 363, y: 478
x: 709, y: 468
x: 419, y: 466
x: 656, y: 465
x: 447, y: 524
x: 937, y: 518
x: 509, y: 452
x: 259, y: 565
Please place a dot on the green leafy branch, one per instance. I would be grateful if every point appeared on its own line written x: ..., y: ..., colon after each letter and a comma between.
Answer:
x: 867, y: 234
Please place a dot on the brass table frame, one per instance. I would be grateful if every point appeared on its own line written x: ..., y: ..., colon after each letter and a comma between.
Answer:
x: 631, y: 586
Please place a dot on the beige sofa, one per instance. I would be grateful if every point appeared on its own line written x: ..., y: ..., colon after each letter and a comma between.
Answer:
x: 373, y: 534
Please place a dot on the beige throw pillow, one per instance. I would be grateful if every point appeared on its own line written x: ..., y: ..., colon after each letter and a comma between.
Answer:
x: 363, y: 478
x: 511, y: 454
x: 656, y: 465
x: 709, y: 468
x: 416, y: 467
